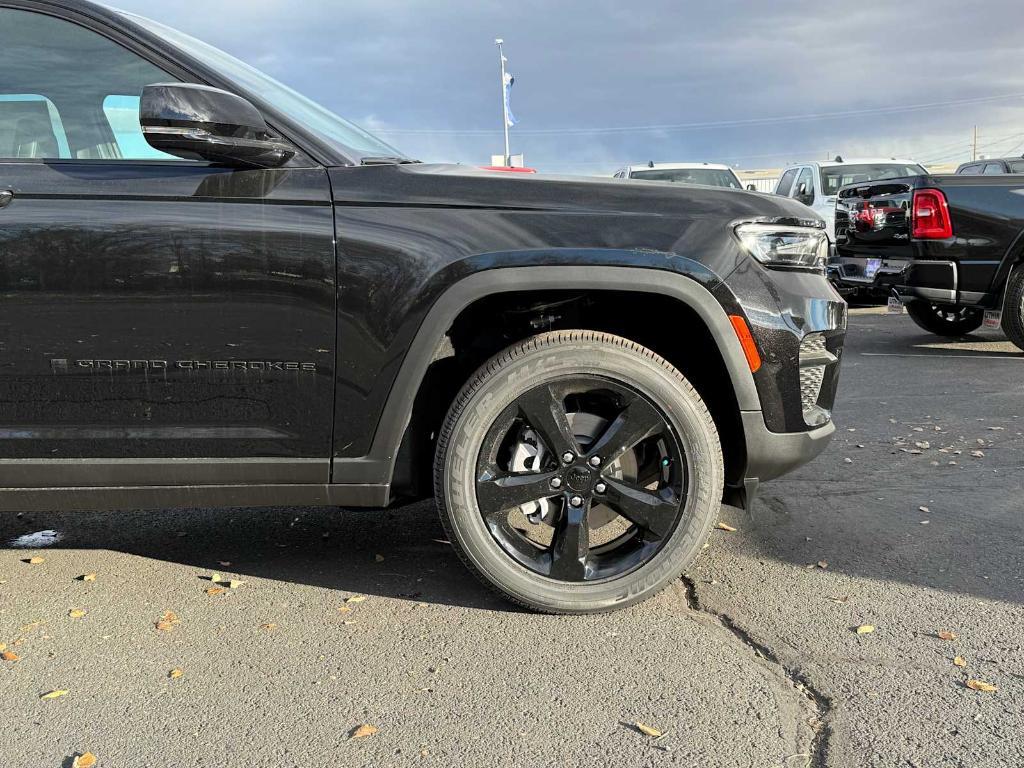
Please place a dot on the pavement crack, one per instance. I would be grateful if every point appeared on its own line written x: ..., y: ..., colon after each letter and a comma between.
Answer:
x: 822, y: 705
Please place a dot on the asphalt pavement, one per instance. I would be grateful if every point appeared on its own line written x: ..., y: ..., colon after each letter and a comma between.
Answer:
x: 910, y: 524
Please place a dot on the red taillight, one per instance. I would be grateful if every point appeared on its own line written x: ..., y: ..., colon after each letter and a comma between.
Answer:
x: 931, y: 216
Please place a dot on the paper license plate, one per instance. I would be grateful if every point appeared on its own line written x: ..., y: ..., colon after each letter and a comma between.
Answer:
x: 993, y: 318
x: 895, y: 306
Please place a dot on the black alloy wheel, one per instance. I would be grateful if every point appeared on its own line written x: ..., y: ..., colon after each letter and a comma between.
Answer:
x: 945, y: 319
x: 578, y: 472
x: 601, y: 498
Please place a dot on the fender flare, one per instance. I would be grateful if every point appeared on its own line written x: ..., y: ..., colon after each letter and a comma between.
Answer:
x: 378, y: 465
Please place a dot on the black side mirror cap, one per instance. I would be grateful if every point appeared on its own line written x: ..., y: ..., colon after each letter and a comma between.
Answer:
x: 199, y: 122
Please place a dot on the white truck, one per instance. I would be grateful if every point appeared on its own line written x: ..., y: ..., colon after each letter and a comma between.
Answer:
x: 707, y: 174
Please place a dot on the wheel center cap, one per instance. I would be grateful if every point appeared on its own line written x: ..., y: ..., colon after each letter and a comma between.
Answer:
x: 578, y: 479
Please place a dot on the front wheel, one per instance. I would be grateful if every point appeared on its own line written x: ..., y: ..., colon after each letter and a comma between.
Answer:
x: 578, y: 472
x: 1013, y: 308
x: 945, y: 319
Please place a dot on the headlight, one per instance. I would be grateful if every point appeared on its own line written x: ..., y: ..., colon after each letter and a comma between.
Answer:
x: 782, y: 246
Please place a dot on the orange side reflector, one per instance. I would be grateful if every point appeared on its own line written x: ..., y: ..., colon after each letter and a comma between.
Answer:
x: 747, y: 342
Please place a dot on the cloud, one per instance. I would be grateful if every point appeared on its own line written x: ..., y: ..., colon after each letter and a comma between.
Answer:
x: 419, y: 65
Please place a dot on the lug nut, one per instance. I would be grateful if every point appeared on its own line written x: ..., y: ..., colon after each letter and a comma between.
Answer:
x: 568, y: 458
x: 556, y: 482
x: 595, y: 461
x: 600, y: 487
x: 576, y: 501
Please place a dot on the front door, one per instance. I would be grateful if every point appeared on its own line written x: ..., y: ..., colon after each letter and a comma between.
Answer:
x: 162, y: 322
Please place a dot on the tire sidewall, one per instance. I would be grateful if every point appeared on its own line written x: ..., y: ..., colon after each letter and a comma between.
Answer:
x: 501, y: 383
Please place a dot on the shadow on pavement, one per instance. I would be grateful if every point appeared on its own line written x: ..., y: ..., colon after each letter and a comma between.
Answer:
x: 322, y: 547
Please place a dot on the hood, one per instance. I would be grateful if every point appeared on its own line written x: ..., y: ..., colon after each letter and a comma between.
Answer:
x: 469, y: 187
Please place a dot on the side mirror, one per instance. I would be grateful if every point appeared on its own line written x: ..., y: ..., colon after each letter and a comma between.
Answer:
x: 196, y: 121
x: 803, y: 196
x: 751, y: 188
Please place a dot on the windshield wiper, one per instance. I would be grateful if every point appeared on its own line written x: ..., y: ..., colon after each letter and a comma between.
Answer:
x: 385, y: 160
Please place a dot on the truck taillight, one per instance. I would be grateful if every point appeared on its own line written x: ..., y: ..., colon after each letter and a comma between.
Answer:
x: 931, y: 216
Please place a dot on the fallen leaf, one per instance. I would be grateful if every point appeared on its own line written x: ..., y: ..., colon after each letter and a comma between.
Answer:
x: 362, y: 732
x: 344, y: 609
x: 216, y: 578
x: 960, y: 661
x: 865, y: 629
x: 224, y: 563
x: 356, y: 599
x: 76, y: 613
x: 10, y: 656
x: 379, y: 558
x: 823, y: 564
x: 175, y: 673
x: 978, y: 454
x: 843, y: 599
x: 35, y: 560
x: 86, y: 760
x: 725, y: 527
x: 54, y: 695
x: 234, y: 584
x: 214, y: 591
x: 945, y: 634
x: 269, y: 627
x: 3, y: 647
x: 979, y: 685
x: 925, y: 510
x: 88, y: 577
x: 166, y: 622
x: 646, y: 730
x: 349, y: 623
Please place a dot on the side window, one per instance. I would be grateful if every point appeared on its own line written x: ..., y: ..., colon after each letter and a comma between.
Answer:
x: 69, y: 93
x: 993, y: 169
x: 786, y: 182
x: 806, y: 180
x: 971, y: 170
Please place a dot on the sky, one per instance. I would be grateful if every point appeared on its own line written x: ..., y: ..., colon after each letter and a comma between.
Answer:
x: 604, y: 83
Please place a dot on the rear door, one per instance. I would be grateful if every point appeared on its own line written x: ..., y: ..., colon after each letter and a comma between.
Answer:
x: 162, y: 322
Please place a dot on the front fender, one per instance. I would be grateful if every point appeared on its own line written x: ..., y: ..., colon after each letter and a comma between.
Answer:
x: 476, y: 277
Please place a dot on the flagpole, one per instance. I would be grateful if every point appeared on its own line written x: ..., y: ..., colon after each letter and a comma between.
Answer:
x: 504, y: 104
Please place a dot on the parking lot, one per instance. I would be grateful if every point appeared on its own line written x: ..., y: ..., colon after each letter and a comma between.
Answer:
x: 911, y: 523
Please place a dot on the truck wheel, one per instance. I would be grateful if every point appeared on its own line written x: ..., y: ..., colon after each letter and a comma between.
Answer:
x: 1013, y: 307
x: 945, y: 319
x: 578, y: 472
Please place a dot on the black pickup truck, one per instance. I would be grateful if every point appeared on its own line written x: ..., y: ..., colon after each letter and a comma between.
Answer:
x: 951, y: 247
x: 215, y: 292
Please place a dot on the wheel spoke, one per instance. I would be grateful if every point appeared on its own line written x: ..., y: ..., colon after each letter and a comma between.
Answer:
x: 571, y: 544
x: 637, y: 421
x: 495, y: 494
x: 545, y: 413
x: 654, y: 512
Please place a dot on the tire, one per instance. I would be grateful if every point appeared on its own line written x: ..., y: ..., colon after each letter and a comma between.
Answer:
x: 944, y: 319
x: 609, y: 390
x: 1013, y: 307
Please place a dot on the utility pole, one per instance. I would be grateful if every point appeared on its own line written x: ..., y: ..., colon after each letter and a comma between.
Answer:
x: 504, y: 103
x: 974, y: 145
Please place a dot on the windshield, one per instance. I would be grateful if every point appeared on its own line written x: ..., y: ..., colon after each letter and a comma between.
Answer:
x: 710, y: 177
x: 840, y: 175
x: 344, y: 136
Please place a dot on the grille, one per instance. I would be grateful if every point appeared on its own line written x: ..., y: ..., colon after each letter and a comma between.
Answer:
x: 814, y: 360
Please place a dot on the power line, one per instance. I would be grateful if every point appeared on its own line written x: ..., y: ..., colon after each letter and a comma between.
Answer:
x: 702, y: 125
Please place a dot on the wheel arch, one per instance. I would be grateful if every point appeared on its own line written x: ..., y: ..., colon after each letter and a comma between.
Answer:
x: 687, y: 290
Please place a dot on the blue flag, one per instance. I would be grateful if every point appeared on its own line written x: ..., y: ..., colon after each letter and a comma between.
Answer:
x: 509, y: 82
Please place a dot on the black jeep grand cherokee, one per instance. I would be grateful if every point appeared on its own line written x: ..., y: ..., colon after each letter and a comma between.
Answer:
x: 215, y: 292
